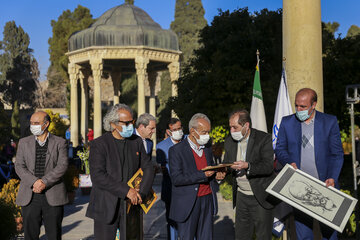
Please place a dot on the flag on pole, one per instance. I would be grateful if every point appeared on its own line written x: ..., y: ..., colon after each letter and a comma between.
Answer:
x: 283, y: 107
x: 257, y: 111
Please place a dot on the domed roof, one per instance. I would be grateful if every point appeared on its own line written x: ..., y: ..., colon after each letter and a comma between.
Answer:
x: 124, y: 25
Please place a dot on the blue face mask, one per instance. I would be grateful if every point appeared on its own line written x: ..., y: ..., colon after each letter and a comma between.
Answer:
x: 304, y: 115
x: 127, y: 131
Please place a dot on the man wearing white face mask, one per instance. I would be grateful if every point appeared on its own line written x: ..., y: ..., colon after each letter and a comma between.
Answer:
x: 114, y: 159
x: 175, y: 134
x: 252, y: 154
x: 193, y: 198
x: 310, y: 140
x: 41, y: 162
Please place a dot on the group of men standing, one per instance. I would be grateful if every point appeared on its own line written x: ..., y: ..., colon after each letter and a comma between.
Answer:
x: 308, y: 140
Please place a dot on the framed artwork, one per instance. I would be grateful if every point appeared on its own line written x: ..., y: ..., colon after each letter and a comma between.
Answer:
x: 311, y: 196
x: 150, y: 199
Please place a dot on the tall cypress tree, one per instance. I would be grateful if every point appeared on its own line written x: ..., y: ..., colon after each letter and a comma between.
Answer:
x: 189, y: 20
x: 131, y: 2
x: 17, y: 81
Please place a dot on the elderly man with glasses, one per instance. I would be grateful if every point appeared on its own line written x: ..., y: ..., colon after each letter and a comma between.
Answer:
x: 114, y: 159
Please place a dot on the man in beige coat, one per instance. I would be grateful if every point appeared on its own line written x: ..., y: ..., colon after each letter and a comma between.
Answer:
x: 41, y: 162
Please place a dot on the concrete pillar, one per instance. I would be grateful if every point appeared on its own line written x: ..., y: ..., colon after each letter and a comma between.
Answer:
x: 74, y: 119
x: 174, y: 70
x: 152, y: 100
x: 141, y: 73
x: 97, y: 67
x: 302, y: 47
x: 84, y: 104
x: 116, y: 78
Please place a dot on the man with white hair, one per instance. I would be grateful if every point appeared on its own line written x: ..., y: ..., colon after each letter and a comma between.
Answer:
x: 193, y: 198
x: 114, y: 159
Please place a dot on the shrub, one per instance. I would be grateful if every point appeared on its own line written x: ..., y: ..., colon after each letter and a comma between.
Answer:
x: 226, y: 188
x: 8, y: 195
x: 7, y: 221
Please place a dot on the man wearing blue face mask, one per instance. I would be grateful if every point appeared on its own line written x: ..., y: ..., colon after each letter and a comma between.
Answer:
x: 114, y: 159
x: 310, y: 140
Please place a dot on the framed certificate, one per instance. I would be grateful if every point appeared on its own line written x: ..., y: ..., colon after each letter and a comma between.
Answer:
x: 311, y: 196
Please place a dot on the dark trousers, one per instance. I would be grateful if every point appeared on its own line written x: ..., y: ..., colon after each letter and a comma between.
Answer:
x: 171, y: 225
x: 130, y: 230
x: 249, y: 215
x: 304, y: 227
x: 39, y: 210
x: 200, y: 222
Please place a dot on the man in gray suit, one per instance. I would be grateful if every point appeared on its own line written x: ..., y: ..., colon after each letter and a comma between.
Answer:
x: 41, y: 161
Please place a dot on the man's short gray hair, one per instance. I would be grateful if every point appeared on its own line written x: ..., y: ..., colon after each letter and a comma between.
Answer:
x: 194, y: 120
x: 144, y: 119
x: 112, y: 116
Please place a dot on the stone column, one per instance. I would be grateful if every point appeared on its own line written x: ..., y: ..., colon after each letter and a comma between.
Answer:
x: 174, y: 70
x: 116, y: 78
x: 302, y: 47
x: 141, y: 73
x: 84, y: 104
x: 97, y: 67
x: 74, y: 119
x: 152, y: 100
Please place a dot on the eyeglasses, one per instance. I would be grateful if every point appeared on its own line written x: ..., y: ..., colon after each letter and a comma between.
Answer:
x: 127, y: 122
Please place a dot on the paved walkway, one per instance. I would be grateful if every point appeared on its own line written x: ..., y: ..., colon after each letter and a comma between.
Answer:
x: 76, y: 226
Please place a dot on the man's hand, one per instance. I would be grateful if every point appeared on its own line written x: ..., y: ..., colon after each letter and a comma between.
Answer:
x: 240, y: 165
x: 330, y: 182
x: 220, y: 175
x: 38, y: 186
x: 134, y: 196
x: 294, y: 165
x: 209, y: 173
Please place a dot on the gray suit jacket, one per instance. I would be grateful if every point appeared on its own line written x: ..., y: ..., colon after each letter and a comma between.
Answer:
x: 55, y: 167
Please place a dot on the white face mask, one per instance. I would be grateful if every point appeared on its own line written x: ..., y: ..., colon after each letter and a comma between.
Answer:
x: 203, y: 139
x: 238, y: 136
x: 177, y: 135
x: 36, y: 129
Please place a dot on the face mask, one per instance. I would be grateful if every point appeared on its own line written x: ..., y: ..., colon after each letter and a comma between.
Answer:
x: 303, y: 115
x: 36, y: 129
x: 127, y: 131
x: 203, y: 139
x: 238, y: 136
x: 177, y: 135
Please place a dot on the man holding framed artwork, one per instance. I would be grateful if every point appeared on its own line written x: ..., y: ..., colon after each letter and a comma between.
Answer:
x: 310, y: 141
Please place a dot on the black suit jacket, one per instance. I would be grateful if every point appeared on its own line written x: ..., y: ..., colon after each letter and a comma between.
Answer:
x: 186, y: 179
x: 106, y: 174
x: 260, y: 155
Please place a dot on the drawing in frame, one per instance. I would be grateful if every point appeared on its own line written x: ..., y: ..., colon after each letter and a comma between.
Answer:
x: 311, y: 196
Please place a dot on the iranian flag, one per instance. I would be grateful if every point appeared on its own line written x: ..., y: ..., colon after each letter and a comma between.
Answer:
x: 257, y: 111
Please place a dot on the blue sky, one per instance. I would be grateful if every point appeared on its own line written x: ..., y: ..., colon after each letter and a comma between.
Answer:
x: 35, y: 15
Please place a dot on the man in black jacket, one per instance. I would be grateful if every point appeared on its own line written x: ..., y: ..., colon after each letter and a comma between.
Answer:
x: 252, y: 154
x: 114, y: 158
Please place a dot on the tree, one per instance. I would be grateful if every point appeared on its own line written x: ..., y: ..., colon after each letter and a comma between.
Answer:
x: 353, y: 31
x: 15, y: 124
x: 67, y: 23
x: 189, y: 20
x: 222, y: 70
x: 332, y: 27
x: 131, y: 2
x: 18, y: 71
x: 341, y: 67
